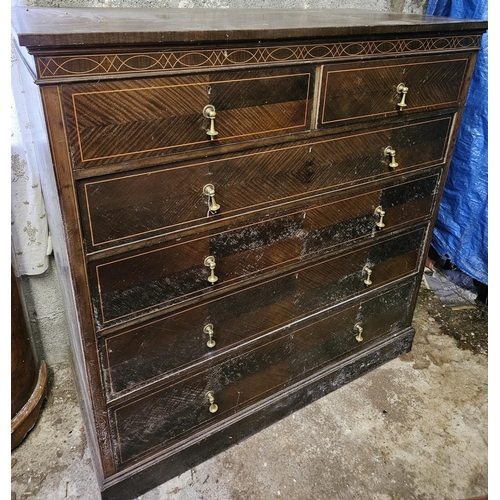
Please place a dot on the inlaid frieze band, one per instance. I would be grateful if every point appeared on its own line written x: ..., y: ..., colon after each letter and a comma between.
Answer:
x: 115, y: 64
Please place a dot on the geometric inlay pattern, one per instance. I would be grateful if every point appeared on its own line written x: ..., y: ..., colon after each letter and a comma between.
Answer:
x: 115, y: 64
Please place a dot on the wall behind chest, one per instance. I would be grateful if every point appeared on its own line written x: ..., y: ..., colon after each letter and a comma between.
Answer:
x: 408, y: 6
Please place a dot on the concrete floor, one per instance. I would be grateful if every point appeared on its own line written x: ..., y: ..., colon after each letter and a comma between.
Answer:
x: 415, y: 428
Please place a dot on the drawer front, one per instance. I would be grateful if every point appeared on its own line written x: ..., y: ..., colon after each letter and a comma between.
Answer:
x: 135, y: 284
x: 116, y: 121
x: 159, y: 419
x: 161, y: 347
x: 370, y: 90
x: 125, y: 208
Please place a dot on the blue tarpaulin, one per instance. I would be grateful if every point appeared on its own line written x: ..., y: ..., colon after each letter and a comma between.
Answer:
x: 461, y: 231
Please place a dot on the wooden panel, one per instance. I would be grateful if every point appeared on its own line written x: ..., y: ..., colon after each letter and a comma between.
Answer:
x: 24, y: 362
x: 368, y: 90
x: 52, y: 27
x: 335, y: 223
x: 116, y: 121
x: 171, y: 274
x: 163, y: 346
x: 129, y: 207
x: 167, y: 415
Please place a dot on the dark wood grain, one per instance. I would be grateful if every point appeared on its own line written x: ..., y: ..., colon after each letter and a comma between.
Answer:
x: 433, y: 83
x: 135, y: 284
x: 63, y: 217
x: 28, y: 375
x: 163, y: 346
x: 175, y: 342
x: 115, y: 121
x: 53, y: 27
x: 144, y: 425
x: 130, y: 207
x: 137, y: 480
x: 24, y: 362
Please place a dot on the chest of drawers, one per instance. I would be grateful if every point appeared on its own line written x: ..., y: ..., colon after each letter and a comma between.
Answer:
x: 241, y: 203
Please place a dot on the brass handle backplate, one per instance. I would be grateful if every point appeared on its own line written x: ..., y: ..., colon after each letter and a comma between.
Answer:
x: 359, y: 330
x: 209, y: 190
x: 209, y: 112
x: 366, y: 270
x: 402, y: 89
x: 209, y: 329
x: 210, y: 262
x: 379, y: 215
x: 388, y: 151
x: 211, y: 399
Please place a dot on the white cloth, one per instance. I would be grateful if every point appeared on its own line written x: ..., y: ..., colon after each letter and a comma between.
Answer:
x: 29, y: 228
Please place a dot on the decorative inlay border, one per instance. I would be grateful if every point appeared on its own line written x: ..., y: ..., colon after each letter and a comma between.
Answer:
x: 115, y: 64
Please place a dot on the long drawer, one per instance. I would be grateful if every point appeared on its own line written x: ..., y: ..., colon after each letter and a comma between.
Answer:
x: 158, y: 419
x: 130, y: 207
x: 378, y: 89
x: 116, y: 121
x: 126, y: 287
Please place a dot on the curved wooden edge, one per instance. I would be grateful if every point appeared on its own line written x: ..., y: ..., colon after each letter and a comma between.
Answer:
x: 27, y: 416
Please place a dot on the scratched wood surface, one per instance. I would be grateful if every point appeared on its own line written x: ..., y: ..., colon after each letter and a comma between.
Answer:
x: 125, y: 293
x: 327, y: 223
x: 129, y: 207
x: 168, y: 346
x: 169, y: 414
x: 53, y: 27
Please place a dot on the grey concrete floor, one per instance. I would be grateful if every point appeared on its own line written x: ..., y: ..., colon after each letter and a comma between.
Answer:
x: 415, y: 428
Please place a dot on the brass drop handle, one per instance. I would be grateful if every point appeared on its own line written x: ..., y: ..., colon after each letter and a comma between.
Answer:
x: 359, y: 330
x: 209, y: 112
x: 209, y: 329
x: 402, y: 89
x: 209, y: 190
x: 210, y: 262
x: 379, y: 215
x: 367, y: 281
x: 388, y: 151
x: 213, y: 407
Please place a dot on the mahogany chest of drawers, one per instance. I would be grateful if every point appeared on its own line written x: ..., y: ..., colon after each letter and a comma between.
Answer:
x: 241, y: 204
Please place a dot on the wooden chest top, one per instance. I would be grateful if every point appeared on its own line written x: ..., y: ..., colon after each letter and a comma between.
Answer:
x: 51, y: 27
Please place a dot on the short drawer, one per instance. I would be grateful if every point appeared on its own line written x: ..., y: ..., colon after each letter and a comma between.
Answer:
x: 154, y: 421
x: 116, y: 121
x: 125, y: 208
x: 142, y: 354
x: 385, y: 88
x: 135, y: 284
